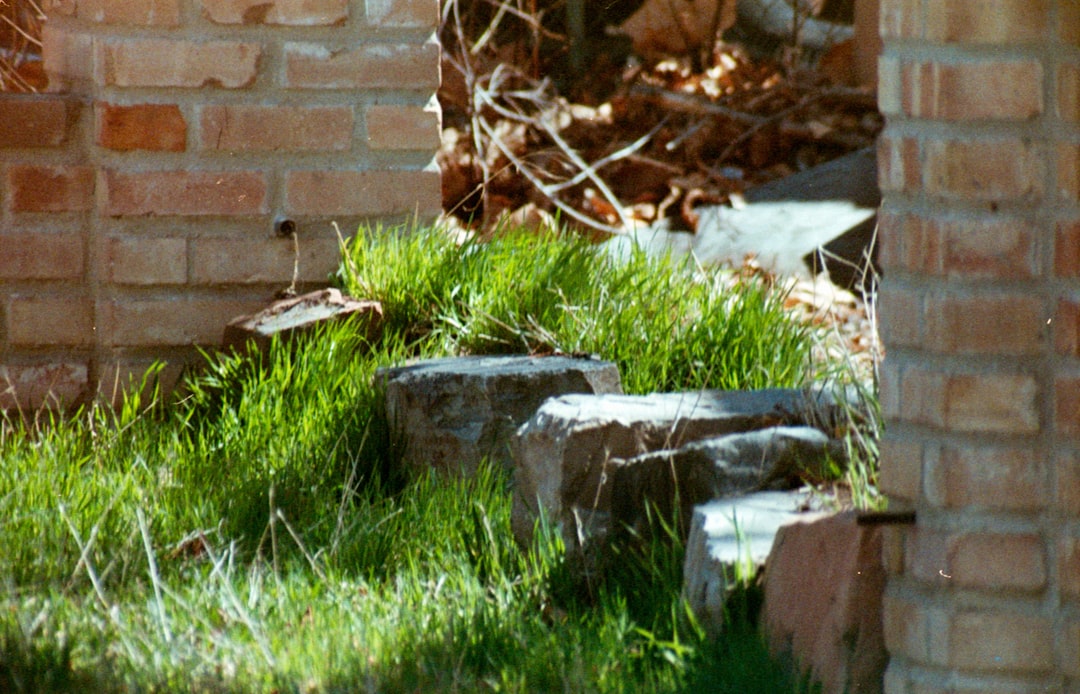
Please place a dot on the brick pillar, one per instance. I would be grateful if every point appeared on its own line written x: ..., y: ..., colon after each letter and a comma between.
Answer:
x: 203, y: 125
x: 980, y: 312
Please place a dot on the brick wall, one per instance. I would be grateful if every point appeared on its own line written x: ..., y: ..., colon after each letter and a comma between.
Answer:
x: 139, y: 200
x: 980, y: 311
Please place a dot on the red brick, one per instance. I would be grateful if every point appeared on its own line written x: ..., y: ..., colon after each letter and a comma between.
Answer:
x: 403, y: 127
x: 1067, y: 405
x: 1067, y: 464
x: 168, y: 322
x: 1069, y: 567
x: 49, y: 383
x: 242, y: 128
x: 1066, y: 327
x: 985, y: 247
x: 403, y: 13
x: 995, y: 561
x: 68, y: 58
x: 50, y: 321
x: 1068, y: 27
x: 37, y: 121
x: 987, y: 477
x: 987, y: 21
x: 919, y: 632
x: 146, y: 261
x: 901, y: 312
x: 159, y: 127
x: 898, y: 164
x: 171, y: 63
x: 1067, y: 250
x: 364, y: 193
x: 370, y: 66
x: 1068, y: 92
x: 50, y: 188
x: 1001, y: 642
x: 901, y: 468
x: 892, y: 232
x: 184, y: 193
x: 164, y: 13
x: 288, y: 12
x: 985, y: 324
x: 41, y: 256
x: 233, y: 261
x: 1005, y: 403
x: 900, y: 19
x: 989, y: 170
x: 1068, y: 171
x: 989, y: 90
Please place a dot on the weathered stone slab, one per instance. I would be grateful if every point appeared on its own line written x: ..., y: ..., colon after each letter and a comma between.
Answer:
x: 729, y: 532
x: 714, y: 468
x: 290, y: 317
x: 457, y: 411
x: 564, y: 455
x: 824, y: 581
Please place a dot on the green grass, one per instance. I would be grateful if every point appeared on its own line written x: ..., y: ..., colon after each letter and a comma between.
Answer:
x: 254, y: 534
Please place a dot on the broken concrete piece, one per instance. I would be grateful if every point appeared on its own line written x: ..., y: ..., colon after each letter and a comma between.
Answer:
x: 565, y: 453
x: 457, y: 411
x: 825, y: 615
x: 290, y: 317
x: 713, y: 468
x: 729, y: 533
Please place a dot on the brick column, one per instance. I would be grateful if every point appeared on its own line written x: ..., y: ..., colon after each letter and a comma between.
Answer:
x: 203, y: 126
x: 980, y: 312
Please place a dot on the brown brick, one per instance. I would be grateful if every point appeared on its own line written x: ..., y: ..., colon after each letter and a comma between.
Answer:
x: 402, y: 127
x: 990, y: 90
x: 988, y: 170
x: 119, y: 378
x: 1067, y: 405
x: 241, y: 128
x: 232, y: 261
x: 927, y: 556
x: 403, y: 13
x: 994, y: 561
x: 901, y: 468
x: 1067, y: 250
x: 158, y: 127
x: 367, y: 193
x: 50, y: 188
x: 985, y: 324
x: 1068, y: 93
x: 48, y: 383
x: 1005, y: 403
x: 371, y: 66
x: 166, y: 322
x: 50, y: 321
x: 172, y: 63
x: 41, y: 256
x: 987, y: 477
x: 891, y: 236
x: 898, y: 164
x: 1069, y: 567
x: 147, y: 261
x: 987, y: 21
x: 38, y: 121
x: 184, y: 193
x: 1002, y: 642
x: 164, y: 13
x: 287, y: 12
